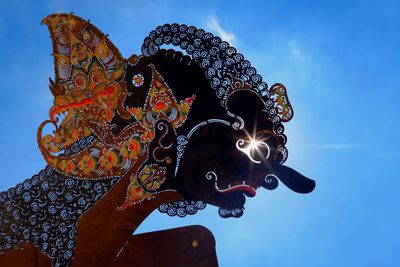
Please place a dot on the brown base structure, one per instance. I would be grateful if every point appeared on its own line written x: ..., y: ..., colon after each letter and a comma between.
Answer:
x: 105, y: 238
x: 191, y: 246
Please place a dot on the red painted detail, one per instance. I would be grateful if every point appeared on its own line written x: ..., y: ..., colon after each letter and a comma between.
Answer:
x: 133, y: 146
x: 79, y: 82
x: 87, y: 101
x: 246, y: 188
x: 160, y: 105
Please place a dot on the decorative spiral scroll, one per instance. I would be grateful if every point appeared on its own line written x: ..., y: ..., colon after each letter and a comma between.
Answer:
x: 182, y: 208
x: 253, y: 145
x: 79, y: 145
x: 227, y: 213
x: 211, y: 176
x: 220, y: 60
x: 270, y: 181
x: 182, y: 142
x: 44, y: 211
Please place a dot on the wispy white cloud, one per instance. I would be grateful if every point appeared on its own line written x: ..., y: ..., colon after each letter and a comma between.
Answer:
x: 213, y: 24
x: 294, y: 60
x: 294, y: 50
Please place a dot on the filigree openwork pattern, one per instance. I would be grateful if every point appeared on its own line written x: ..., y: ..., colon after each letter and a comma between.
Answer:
x: 182, y: 208
x: 44, y: 211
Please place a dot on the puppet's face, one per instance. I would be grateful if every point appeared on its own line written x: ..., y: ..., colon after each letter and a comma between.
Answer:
x: 222, y: 166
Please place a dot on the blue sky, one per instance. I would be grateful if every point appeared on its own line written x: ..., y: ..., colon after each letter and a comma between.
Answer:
x: 340, y: 63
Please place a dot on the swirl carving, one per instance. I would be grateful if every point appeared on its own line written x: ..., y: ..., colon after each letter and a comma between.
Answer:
x: 182, y: 208
x: 44, y: 210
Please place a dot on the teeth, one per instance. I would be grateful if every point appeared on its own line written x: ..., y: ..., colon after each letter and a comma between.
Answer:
x: 229, y: 186
x: 244, y: 182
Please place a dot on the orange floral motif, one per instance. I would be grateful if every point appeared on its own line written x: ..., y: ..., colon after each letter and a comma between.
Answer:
x: 87, y: 164
x: 109, y: 159
x: 50, y: 144
x: 136, y: 194
x: 67, y: 166
x: 147, y: 136
x: 132, y: 148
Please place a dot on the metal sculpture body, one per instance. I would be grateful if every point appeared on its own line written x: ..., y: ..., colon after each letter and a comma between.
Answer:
x: 204, y: 126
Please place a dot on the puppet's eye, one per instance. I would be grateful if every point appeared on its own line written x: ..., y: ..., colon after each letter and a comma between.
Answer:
x: 95, y: 79
x: 254, y: 149
x: 80, y: 81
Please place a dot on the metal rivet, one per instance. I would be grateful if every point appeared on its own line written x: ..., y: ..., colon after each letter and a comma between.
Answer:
x: 195, y: 243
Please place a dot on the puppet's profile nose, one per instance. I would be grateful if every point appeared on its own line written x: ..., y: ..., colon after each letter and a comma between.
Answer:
x: 291, y: 178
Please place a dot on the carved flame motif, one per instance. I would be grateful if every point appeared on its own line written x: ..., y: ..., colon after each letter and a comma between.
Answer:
x: 161, y: 104
x: 89, y: 91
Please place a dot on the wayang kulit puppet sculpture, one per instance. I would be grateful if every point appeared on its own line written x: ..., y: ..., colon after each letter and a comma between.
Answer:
x: 203, y: 125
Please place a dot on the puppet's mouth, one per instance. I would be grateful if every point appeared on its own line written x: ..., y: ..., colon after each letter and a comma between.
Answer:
x: 99, y: 105
x: 247, y: 187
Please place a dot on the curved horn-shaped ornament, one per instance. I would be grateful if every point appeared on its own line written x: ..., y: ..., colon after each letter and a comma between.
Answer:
x: 76, y: 43
x: 93, y: 162
x: 87, y: 65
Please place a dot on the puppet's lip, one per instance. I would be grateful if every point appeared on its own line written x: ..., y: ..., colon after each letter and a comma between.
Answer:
x: 247, y: 187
